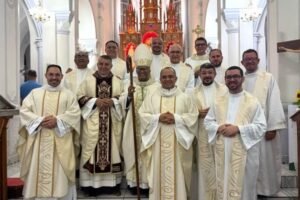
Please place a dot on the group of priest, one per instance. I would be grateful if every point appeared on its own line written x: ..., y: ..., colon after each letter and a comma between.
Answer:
x: 199, y: 130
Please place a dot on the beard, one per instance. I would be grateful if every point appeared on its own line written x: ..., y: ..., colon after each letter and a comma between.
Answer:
x: 206, y: 83
x: 217, y: 64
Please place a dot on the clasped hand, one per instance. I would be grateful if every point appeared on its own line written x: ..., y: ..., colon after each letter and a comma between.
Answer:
x: 228, y: 130
x: 104, y: 103
x: 49, y: 122
x: 167, y: 118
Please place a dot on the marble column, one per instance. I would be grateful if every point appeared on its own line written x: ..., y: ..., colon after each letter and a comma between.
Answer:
x: 62, y: 36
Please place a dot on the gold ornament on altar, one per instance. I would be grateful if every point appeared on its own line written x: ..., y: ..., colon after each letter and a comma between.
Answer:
x: 198, y: 30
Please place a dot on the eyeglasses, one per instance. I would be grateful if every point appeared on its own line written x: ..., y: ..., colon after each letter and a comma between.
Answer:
x: 249, y: 59
x: 233, y: 77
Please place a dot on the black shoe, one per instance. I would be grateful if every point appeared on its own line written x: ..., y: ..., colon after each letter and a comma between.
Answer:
x: 132, y: 190
x: 145, y: 192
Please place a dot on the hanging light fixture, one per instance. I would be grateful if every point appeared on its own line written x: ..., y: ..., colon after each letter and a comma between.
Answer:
x: 39, y: 14
x: 251, y: 13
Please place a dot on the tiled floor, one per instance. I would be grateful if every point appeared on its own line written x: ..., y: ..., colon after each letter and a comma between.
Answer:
x: 284, y: 194
x: 124, y: 195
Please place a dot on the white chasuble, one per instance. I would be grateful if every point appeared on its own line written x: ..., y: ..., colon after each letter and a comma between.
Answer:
x: 158, y: 62
x: 167, y: 155
x: 48, y: 160
x: 142, y: 89
x: 167, y: 149
x: 236, y: 158
x: 185, y: 77
x: 204, y: 97
x: 73, y: 79
x: 119, y: 68
x: 264, y: 87
x: 196, y: 61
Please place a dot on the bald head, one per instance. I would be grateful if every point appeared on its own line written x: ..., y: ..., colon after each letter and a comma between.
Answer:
x: 175, y: 53
x: 168, y: 78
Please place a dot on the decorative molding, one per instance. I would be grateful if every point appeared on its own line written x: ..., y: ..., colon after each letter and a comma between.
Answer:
x: 232, y: 30
x: 231, y: 18
x: 38, y: 42
x: 257, y: 35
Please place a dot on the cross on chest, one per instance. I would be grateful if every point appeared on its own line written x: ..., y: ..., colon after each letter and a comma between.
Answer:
x: 103, y: 115
x: 102, y: 141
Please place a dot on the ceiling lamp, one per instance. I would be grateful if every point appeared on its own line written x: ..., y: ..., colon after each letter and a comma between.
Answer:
x: 251, y: 13
x: 39, y: 14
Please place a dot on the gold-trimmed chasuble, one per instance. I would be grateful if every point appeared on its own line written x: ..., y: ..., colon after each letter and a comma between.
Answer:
x: 238, y: 155
x: 168, y: 144
x: 46, y: 161
x: 100, y: 161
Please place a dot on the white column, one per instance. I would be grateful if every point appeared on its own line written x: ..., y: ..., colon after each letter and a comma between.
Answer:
x: 233, y: 46
x: 49, y: 42
x: 62, y: 35
x: 10, y: 66
x: 230, y: 42
x: 39, y: 47
x: 246, y: 35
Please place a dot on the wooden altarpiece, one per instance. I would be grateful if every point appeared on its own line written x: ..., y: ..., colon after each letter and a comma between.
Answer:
x: 152, y: 23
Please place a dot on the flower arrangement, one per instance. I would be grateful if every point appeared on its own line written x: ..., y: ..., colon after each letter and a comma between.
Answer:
x: 298, y: 98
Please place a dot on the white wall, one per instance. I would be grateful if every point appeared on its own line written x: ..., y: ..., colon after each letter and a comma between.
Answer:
x: 289, y: 63
x: 211, y: 25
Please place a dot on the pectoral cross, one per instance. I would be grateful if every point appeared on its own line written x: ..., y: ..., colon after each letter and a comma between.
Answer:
x: 198, y: 30
x: 103, y: 115
x: 102, y: 141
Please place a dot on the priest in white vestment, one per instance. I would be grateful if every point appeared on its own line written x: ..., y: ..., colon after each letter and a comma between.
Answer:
x: 168, y: 120
x: 265, y: 88
x: 185, y: 75
x: 73, y: 78
x: 143, y: 86
x: 235, y: 124
x: 200, y: 57
x: 118, y: 65
x: 204, y: 96
x: 159, y: 59
x: 100, y: 165
x: 216, y: 59
x: 50, y: 125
